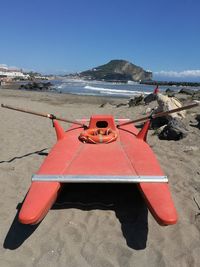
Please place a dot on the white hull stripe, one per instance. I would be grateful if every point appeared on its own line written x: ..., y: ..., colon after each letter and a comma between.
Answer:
x: 100, y: 178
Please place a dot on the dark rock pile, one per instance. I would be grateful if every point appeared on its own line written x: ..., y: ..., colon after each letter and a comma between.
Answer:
x: 133, y: 101
x: 170, y: 93
x: 174, y: 130
x: 149, y: 98
x: 198, y: 122
x: 198, y: 119
x: 195, y: 94
x: 137, y: 100
x: 36, y: 86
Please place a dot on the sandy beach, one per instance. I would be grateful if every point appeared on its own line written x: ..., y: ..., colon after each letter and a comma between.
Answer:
x: 93, y: 225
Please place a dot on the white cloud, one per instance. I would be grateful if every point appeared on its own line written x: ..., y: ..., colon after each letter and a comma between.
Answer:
x: 4, y: 66
x: 180, y: 74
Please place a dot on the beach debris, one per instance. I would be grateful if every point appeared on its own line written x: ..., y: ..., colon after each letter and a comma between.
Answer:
x: 196, y: 95
x: 121, y: 105
x: 103, y: 105
x: 170, y: 126
x: 187, y: 91
x: 137, y: 100
x: 158, y: 130
x: 132, y: 102
x: 147, y: 111
x: 198, y: 119
x: 166, y: 103
x: 149, y: 98
x: 170, y: 92
x: 198, y: 122
x: 174, y: 130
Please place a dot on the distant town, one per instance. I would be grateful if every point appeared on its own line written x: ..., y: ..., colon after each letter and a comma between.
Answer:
x: 8, y: 74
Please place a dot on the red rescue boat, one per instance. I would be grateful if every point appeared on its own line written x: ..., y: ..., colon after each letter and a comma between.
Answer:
x: 102, y: 153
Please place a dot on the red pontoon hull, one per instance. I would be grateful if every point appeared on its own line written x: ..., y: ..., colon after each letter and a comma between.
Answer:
x: 128, y: 156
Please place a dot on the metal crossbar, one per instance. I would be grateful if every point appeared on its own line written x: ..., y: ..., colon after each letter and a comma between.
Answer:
x: 100, y: 178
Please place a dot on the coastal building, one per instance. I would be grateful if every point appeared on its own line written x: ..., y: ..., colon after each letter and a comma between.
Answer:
x: 12, y: 73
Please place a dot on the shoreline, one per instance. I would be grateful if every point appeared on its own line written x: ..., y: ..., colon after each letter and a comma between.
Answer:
x: 15, y: 86
x: 68, y: 97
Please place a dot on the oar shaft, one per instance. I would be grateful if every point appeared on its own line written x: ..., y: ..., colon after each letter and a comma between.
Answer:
x: 164, y: 113
x: 50, y: 116
x: 24, y: 110
x: 160, y: 114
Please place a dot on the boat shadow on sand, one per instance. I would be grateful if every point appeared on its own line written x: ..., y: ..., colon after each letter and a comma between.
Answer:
x: 124, y: 199
x: 18, y: 232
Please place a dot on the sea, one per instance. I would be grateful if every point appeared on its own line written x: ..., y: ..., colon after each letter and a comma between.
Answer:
x: 100, y: 88
x: 106, y: 89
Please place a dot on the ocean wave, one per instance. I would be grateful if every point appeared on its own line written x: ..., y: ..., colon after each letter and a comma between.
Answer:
x: 114, y: 91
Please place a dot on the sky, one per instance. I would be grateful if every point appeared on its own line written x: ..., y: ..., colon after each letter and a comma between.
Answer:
x: 66, y: 36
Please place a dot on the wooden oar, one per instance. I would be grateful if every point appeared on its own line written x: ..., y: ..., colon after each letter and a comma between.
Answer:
x: 50, y: 116
x: 160, y: 114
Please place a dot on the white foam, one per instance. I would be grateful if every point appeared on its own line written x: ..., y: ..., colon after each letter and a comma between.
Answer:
x: 114, y: 91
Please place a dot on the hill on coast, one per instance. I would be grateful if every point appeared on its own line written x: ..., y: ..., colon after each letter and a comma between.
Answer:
x: 117, y: 70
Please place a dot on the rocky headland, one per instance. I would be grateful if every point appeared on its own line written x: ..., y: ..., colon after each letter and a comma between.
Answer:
x: 117, y: 71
